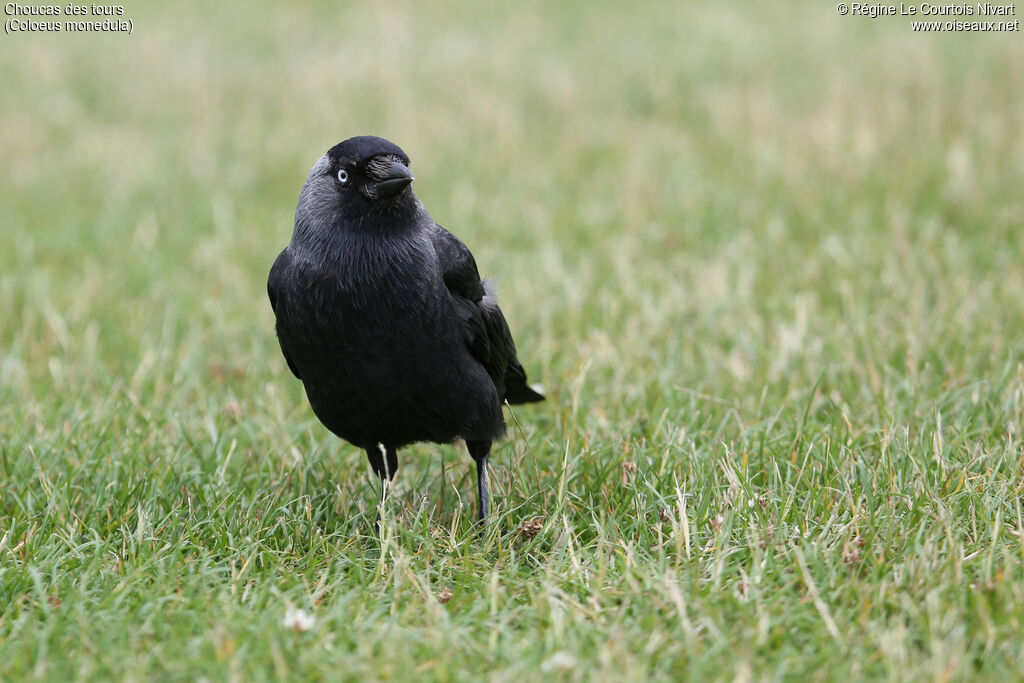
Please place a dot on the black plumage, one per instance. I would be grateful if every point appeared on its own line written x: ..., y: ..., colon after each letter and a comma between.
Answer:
x: 382, y: 314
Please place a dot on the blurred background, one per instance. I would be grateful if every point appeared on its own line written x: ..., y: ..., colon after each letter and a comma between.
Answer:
x: 734, y: 201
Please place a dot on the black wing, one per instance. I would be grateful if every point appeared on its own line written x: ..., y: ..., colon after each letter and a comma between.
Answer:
x: 275, y: 290
x: 458, y: 265
x: 486, y: 330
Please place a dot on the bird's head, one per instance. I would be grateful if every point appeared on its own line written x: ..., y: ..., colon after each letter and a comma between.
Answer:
x: 355, y: 181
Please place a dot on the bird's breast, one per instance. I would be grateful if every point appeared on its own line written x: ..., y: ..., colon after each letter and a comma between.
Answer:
x: 377, y: 290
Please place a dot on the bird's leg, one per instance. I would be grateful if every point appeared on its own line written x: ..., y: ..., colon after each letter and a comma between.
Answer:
x: 384, y: 461
x: 384, y: 486
x: 484, y: 506
x: 481, y: 452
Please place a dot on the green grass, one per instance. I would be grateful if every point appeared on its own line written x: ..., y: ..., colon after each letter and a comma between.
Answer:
x: 766, y: 261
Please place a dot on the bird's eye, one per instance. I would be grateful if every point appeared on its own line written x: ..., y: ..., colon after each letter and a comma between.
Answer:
x: 343, y: 176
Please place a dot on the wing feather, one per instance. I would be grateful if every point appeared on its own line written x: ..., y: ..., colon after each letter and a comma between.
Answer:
x: 486, y: 331
x: 275, y: 290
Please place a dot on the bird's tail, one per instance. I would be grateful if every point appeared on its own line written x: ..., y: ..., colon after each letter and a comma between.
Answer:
x: 518, y: 391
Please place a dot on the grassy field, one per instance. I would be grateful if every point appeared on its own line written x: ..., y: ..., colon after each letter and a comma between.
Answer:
x: 766, y: 261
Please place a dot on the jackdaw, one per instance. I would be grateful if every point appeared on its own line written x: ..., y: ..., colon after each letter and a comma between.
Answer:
x: 382, y: 315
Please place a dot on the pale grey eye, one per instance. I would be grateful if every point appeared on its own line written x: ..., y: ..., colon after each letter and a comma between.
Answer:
x: 343, y: 176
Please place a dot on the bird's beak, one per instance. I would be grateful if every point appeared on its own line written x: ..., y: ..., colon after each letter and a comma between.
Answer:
x: 394, y: 181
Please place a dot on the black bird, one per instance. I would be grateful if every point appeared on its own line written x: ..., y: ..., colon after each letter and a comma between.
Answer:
x: 382, y: 315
